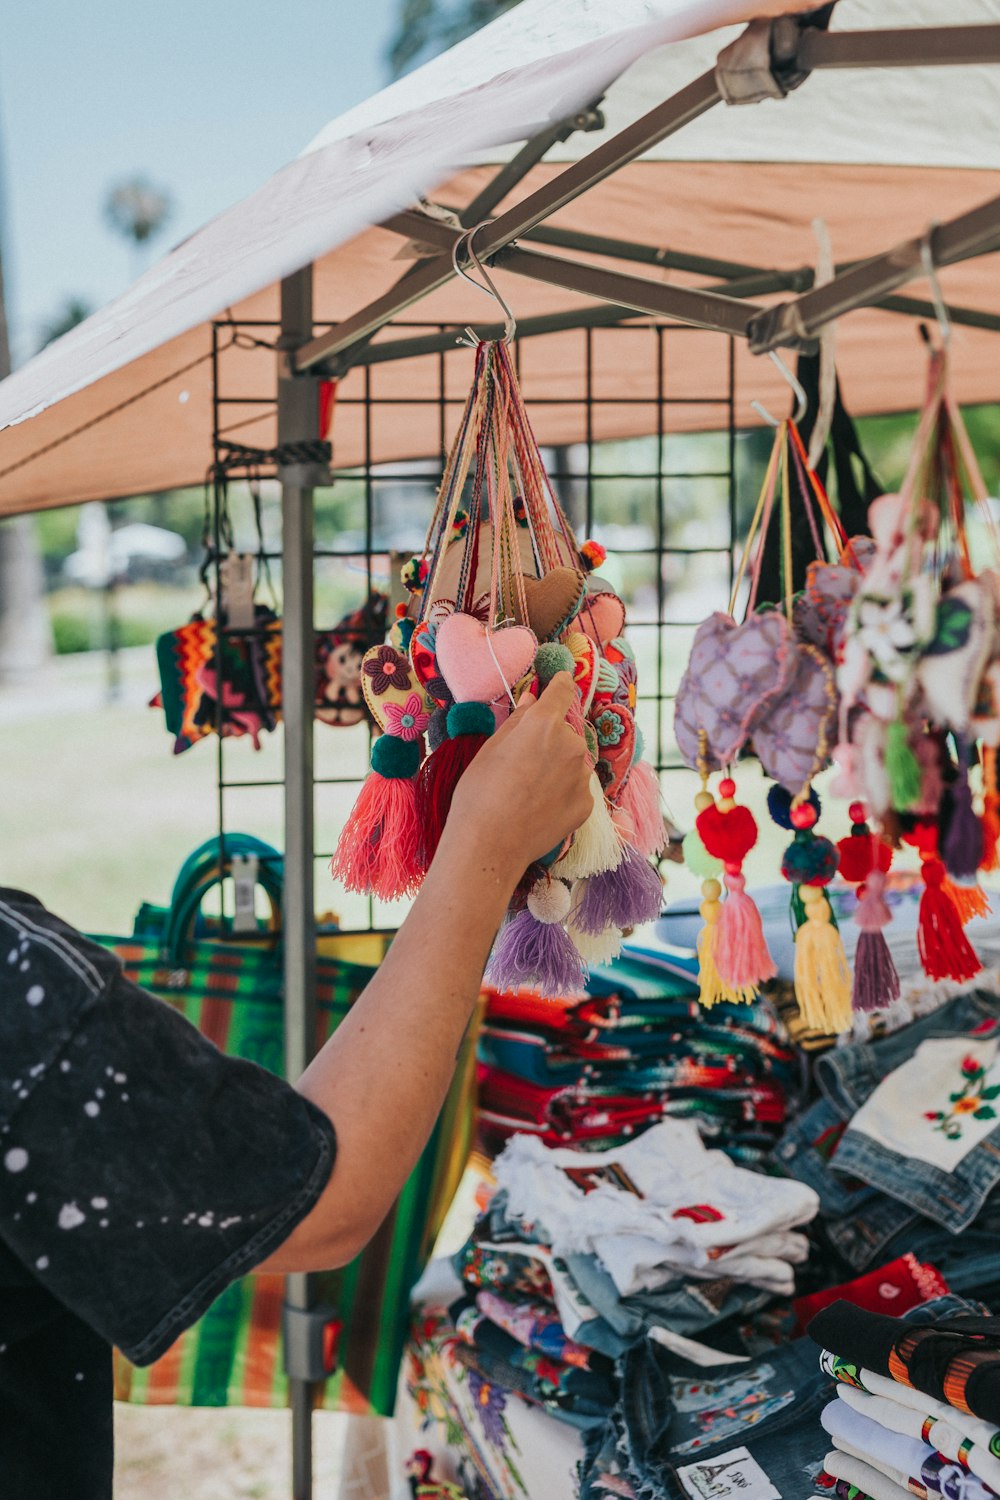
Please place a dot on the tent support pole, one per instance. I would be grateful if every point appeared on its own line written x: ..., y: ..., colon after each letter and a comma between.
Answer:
x: 664, y: 120
x: 298, y: 420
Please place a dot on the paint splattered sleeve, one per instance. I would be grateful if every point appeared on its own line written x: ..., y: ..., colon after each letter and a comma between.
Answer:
x: 141, y: 1170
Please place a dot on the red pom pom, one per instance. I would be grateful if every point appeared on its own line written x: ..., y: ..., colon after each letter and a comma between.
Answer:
x: 728, y: 836
x: 727, y: 787
x: 804, y: 816
x: 401, y: 611
x: 860, y: 853
x: 923, y: 836
x: 857, y: 812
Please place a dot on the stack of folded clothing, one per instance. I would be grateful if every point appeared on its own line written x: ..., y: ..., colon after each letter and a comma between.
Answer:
x: 917, y: 1405
x: 633, y: 1050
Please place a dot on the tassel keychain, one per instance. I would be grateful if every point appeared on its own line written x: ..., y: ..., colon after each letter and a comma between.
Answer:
x: 962, y: 847
x: 864, y: 862
x: 534, y: 948
x: 469, y: 726
x: 641, y: 800
x: 822, y: 975
x: 945, y: 951
x: 740, y: 952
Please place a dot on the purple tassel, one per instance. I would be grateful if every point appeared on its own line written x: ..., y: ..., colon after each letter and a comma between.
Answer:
x: 876, y: 982
x: 622, y: 897
x: 963, y: 844
x: 539, y: 954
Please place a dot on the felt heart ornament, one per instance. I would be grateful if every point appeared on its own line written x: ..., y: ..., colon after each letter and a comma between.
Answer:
x: 793, y: 734
x: 614, y: 726
x: 388, y: 678
x: 820, y: 613
x: 423, y: 660
x: 616, y: 675
x: 602, y: 615
x: 954, y: 660
x: 733, y: 672
x: 480, y: 665
x: 553, y: 601
x: 585, y: 665
x: 446, y: 582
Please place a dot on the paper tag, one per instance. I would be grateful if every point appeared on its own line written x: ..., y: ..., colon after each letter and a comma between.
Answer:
x: 736, y: 1473
x: 245, y: 868
x: 236, y: 578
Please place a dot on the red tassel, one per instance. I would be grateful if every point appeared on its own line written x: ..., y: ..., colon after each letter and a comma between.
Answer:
x: 439, y: 776
x: 379, y: 850
x: 945, y: 951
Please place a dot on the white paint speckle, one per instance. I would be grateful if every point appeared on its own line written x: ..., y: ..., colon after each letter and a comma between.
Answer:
x: 206, y: 1220
x: 65, y: 1065
x: 108, y: 1072
x: 98, y: 1202
x: 104, y: 1223
x: 17, y: 1218
x: 36, y: 1070
x: 36, y: 994
x: 31, y: 1198
x: 16, y: 1085
x: 78, y: 1375
x: 120, y: 1077
x: 92, y: 1108
x: 98, y: 1093
x: 42, y: 1263
x: 25, y: 966
x: 16, y: 1159
x: 124, y: 1098
x: 13, y: 956
x: 236, y: 1218
x: 70, y: 1216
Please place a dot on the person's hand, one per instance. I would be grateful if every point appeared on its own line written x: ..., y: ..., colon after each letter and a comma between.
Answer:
x: 529, y: 786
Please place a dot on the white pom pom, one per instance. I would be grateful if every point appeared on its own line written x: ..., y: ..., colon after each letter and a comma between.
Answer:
x: 597, y: 846
x: 549, y: 901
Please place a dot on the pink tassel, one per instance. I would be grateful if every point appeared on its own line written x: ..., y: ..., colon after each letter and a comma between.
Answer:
x: 876, y: 982
x: 641, y: 799
x: 379, y: 848
x: 741, y: 952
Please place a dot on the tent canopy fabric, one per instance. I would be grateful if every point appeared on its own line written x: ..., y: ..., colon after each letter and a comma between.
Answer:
x: 123, y: 404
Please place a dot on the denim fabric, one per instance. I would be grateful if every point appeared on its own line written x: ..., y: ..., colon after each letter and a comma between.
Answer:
x: 848, y: 1075
x: 863, y: 1239
x: 969, y: 1262
x: 807, y: 1150
x: 674, y: 1414
x: 688, y: 1309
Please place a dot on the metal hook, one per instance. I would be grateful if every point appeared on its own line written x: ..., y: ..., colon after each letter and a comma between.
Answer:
x: 940, y: 310
x: 464, y: 242
x: 801, y: 399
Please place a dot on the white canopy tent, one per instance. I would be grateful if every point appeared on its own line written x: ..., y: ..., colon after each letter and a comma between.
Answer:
x: 710, y: 215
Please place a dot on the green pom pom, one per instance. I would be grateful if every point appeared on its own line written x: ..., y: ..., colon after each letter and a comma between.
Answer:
x: 697, y: 857
x: 552, y: 658
x: 470, y: 718
x: 902, y: 767
x: 396, y: 759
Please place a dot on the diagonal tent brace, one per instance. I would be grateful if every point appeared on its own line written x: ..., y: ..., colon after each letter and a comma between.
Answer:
x: 793, y: 47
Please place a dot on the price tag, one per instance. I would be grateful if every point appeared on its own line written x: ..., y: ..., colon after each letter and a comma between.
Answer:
x: 245, y: 868
x: 236, y: 577
x: 728, y: 1475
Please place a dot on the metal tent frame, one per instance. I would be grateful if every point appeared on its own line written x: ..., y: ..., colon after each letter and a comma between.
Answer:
x: 778, y: 56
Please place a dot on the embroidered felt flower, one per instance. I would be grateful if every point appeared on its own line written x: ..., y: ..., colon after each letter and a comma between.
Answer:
x: 407, y: 720
x: 609, y: 727
x: 888, y: 635
x: 387, y: 669
x: 626, y: 691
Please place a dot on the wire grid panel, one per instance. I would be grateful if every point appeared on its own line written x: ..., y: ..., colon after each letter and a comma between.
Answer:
x: 663, y: 503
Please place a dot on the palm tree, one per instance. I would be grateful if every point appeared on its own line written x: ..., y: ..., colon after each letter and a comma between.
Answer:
x: 425, y: 27
x: 138, y: 211
x: 73, y: 311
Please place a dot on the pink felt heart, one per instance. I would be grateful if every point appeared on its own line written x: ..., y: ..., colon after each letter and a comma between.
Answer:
x: 821, y: 610
x: 793, y: 734
x: 602, y: 615
x: 733, y: 671
x: 479, y: 664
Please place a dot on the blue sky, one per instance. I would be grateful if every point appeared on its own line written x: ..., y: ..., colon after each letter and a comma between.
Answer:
x: 206, y: 97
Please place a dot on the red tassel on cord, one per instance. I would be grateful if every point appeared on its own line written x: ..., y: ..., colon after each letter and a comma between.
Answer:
x: 469, y: 727
x: 945, y: 951
x: 741, y: 953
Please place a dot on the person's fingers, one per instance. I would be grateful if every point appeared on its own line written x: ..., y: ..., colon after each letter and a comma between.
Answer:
x: 557, y: 695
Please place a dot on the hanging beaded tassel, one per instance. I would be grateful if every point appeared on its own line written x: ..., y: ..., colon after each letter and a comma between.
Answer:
x: 822, y: 975
x: 945, y: 951
x: 864, y: 862
x: 741, y: 955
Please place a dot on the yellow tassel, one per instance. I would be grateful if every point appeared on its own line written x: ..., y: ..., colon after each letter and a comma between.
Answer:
x: 822, y: 974
x: 970, y: 900
x: 712, y: 990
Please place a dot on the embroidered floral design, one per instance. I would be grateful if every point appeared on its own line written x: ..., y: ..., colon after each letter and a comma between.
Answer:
x: 387, y: 669
x: 973, y: 1099
x: 406, y: 720
x: 490, y: 1402
x: 626, y: 691
x: 889, y: 637
x: 609, y: 727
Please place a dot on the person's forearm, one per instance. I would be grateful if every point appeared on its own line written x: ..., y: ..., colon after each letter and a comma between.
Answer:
x: 383, y: 1076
